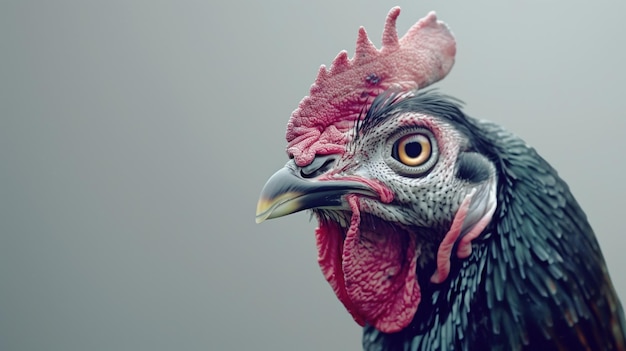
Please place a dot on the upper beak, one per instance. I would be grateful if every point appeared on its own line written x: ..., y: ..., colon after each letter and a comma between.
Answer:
x: 287, y: 192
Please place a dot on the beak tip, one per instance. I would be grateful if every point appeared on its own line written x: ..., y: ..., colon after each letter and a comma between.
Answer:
x: 262, y: 210
x: 259, y: 219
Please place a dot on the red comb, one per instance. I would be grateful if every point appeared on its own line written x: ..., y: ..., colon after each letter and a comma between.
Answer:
x: 322, y: 122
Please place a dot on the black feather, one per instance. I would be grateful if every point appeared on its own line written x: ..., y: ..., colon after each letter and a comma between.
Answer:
x: 389, y: 103
x: 536, y: 278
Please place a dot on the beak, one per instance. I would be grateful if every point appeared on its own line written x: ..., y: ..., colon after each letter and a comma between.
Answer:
x: 288, y: 192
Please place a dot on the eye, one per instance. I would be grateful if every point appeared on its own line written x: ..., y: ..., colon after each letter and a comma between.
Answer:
x: 412, y: 153
x: 412, y: 150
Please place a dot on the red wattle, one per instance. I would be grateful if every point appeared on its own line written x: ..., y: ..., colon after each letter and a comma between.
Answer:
x: 372, y: 270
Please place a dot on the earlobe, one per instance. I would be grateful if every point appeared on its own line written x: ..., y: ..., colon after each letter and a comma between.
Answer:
x: 481, y: 211
x: 445, y: 248
x: 472, y: 217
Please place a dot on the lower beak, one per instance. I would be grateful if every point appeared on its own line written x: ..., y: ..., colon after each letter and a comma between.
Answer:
x: 288, y: 192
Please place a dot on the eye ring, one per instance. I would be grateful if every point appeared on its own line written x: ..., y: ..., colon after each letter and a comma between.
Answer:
x: 412, y: 150
x: 412, y: 153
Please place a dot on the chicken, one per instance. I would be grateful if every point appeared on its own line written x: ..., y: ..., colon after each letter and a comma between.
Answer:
x: 438, y: 231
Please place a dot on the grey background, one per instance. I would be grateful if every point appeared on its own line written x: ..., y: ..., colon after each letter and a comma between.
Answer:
x: 135, y: 138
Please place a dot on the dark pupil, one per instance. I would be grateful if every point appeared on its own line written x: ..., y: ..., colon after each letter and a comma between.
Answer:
x: 413, y: 149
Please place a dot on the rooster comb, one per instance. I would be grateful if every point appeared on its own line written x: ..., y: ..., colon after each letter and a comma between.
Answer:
x: 322, y: 122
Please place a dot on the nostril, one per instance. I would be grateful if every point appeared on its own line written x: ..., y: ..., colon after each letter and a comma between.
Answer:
x: 319, y: 166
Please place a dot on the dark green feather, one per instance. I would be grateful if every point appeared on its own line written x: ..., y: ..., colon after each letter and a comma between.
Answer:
x: 536, y: 278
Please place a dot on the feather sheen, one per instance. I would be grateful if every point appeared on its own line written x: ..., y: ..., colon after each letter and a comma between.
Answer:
x: 536, y: 278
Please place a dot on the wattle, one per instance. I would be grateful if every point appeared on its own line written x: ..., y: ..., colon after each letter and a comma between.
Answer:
x: 371, y: 267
